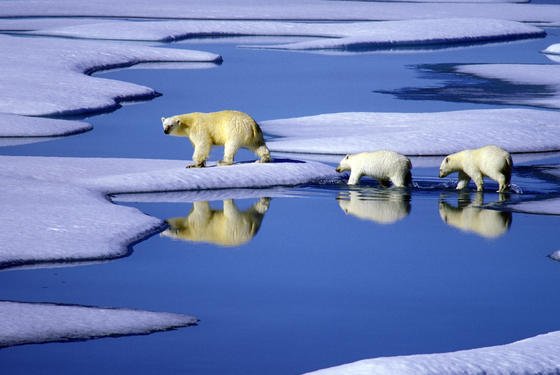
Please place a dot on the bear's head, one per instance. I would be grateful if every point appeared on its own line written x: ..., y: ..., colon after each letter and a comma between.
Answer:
x: 445, y: 168
x: 344, y: 164
x: 170, y: 124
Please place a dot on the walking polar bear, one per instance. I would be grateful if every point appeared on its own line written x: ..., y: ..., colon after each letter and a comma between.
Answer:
x: 490, y: 161
x: 232, y: 129
x: 384, y: 166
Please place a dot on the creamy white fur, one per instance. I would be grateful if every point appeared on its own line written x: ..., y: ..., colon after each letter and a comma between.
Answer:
x: 490, y: 161
x: 384, y: 166
x: 232, y: 129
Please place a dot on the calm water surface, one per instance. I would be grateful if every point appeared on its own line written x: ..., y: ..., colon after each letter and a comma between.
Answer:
x: 326, y: 275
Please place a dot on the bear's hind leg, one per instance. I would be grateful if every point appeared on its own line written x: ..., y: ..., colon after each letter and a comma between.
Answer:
x: 263, y: 153
x: 503, y: 184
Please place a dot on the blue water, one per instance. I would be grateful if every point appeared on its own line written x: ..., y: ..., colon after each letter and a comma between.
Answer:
x: 315, y: 287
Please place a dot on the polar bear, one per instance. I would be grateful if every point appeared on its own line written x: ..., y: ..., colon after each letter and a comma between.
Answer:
x: 490, y: 161
x: 232, y: 129
x: 227, y: 227
x: 379, y: 206
x: 470, y: 217
x: 384, y: 166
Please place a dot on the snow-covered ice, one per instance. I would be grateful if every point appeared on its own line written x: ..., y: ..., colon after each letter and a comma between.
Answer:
x: 35, y: 323
x: 54, y: 210
x: 380, y: 35
x: 42, y: 77
x: 22, y: 126
x: 426, y: 32
x: 282, y: 10
x: 535, y: 355
x: 555, y: 255
x: 436, y: 133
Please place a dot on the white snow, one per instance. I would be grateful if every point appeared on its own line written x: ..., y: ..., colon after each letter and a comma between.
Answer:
x: 281, y: 10
x: 522, y: 74
x: 37, y: 23
x: 555, y: 255
x: 333, y: 35
x: 21, y: 126
x: 553, y: 49
x: 54, y: 210
x: 35, y: 323
x: 535, y: 355
x: 42, y: 77
x: 436, y: 133
x: 427, y: 32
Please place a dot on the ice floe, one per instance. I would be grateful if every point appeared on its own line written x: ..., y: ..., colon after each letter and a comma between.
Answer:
x: 42, y: 77
x: 436, y: 133
x: 21, y: 126
x: 54, y: 210
x: 284, y: 10
x: 34, y: 323
x: 347, y: 36
x: 416, y: 33
x: 535, y: 355
x: 546, y: 76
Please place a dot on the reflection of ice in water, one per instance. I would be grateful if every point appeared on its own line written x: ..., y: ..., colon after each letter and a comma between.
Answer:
x: 226, y: 227
x: 34, y: 323
x: 382, y: 206
x: 555, y: 255
x: 470, y: 217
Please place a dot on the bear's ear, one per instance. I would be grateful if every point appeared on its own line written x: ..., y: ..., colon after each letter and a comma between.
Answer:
x: 446, y: 160
x: 347, y: 156
x: 163, y: 119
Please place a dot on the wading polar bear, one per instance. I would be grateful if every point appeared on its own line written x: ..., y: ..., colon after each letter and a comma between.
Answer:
x: 227, y: 227
x: 490, y: 161
x: 384, y: 166
x: 232, y: 129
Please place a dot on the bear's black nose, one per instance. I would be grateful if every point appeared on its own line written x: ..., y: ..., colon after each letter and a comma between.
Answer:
x: 166, y: 130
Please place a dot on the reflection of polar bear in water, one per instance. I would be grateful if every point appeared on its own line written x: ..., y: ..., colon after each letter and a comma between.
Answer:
x: 382, y: 207
x: 227, y: 227
x: 469, y: 217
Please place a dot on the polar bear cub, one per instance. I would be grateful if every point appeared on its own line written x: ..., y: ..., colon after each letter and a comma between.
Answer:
x: 490, y: 161
x: 384, y: 166
x: 232, y: 129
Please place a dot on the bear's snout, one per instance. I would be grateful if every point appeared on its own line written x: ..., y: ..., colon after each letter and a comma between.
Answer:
x: 166, y: 129
x: 338, y: 169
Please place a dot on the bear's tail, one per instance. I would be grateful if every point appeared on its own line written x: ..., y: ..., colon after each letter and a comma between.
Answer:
x: 258, y: 133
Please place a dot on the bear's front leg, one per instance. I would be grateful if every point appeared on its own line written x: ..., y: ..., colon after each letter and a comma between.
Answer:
x: 479, y: 182
x: 354, y: 178
x: 463, y: 181
x: 200, y: 154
